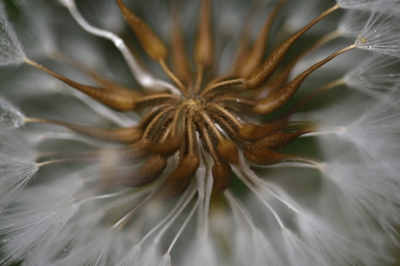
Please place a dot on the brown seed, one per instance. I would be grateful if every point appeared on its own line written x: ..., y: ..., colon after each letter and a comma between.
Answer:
x: 263, y: 156
x: 280, y: 140
x: 144, y: 174
x: 168, y: 147
x: 222, y: 174
x: 115, y: 100
x: 180, y: 178
x: 130, y: 135
x: 204, y: 45
x: 278, y: 98
x: 153, y: 46
x: 228, y: 150
x: 266, y: 69
x: 252, y: 132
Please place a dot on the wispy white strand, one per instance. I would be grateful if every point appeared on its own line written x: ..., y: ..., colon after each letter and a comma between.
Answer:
x: 15, y: 173
x: 249, y: 173
x: 104, y: 111
x: 377, y: 130
x: 376, y: 76
x: 166, y: 260
x: 208, y: 186
x: 298, y: 253
x: 10, y: 116
x: 144, y: 78
x: 373, y: 188
x: 381, y: 35
x: 101, y: 250
x: 34, y: 84
x: 40, y: 213
x: 38, y: 138
x: 202, y: 252
x: 172, y: 215
x: 371, y: 127
x: 352, y: 23
x: 11, y: 52
x: 332, y: 247
x: 254, y: 190
x: 300, y: 15
x: 132, y: 258
x: 35, y: 32
x: 160, y: 234
x: 189, y: 216
x: 384, y: 5
x: 201, y: 175
x: 107, y: 14
x: 253, y: 247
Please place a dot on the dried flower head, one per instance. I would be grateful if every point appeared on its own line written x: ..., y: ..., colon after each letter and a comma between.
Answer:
x: 239, y: 147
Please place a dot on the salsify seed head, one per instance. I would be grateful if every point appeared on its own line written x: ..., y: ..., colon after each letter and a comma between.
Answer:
x: 199, y: 132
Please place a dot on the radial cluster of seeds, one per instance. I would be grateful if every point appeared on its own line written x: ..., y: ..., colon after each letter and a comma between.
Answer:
x: 204, y: 112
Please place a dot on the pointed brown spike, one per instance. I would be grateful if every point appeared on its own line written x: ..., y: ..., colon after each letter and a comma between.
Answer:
x: 222, y: 174
x: 153, y: 46
x: 144, y: 174
x: 151, y: 114
x: 104, y: 82
x: 151, y: 100
x: 204, y: 45
x: 252, y: 132
x: 256, y: 53
x: 228, y: 150
x: 168, y: 147
x: 277, y: 99
x: 256, y: 78
x: 180, y: 179
x: 114, y: 100
x: 179, y: 57
x: 263, y: 156
x: 134, y: 151
x: 280, y: 140
x: 230, y: 131
x: 227, y: 86
x: 283, y: 76
x: 131, y: 134
x: 112, y: 86
x: 234, y: 99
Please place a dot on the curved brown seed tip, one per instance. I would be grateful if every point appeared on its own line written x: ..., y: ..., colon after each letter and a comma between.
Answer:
x: 266, y: 69
x: 144, y: 174
x: 263, y: 156
x: 204, y: 46
x: 137, y: 150
x: 127, y: 135
x: 280, y: 140
x: 222, y: 174
x: 153, y: 46
x: 271, y: 103
x: 252, y: 132
x: 114, y: 100
x: 168, y: 147
x: 228, y: 150
x: 180, y: 179
x: 256, y: 54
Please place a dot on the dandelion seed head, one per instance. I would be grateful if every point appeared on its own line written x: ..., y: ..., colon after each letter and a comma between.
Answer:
x: 199, y: 133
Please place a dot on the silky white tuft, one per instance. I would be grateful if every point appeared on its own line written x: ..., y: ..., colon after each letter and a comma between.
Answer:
x: 377, y: 76
x: 384, y: 5
x: 11, y: 52
x: 380, y: 35
x: 10, y: 116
